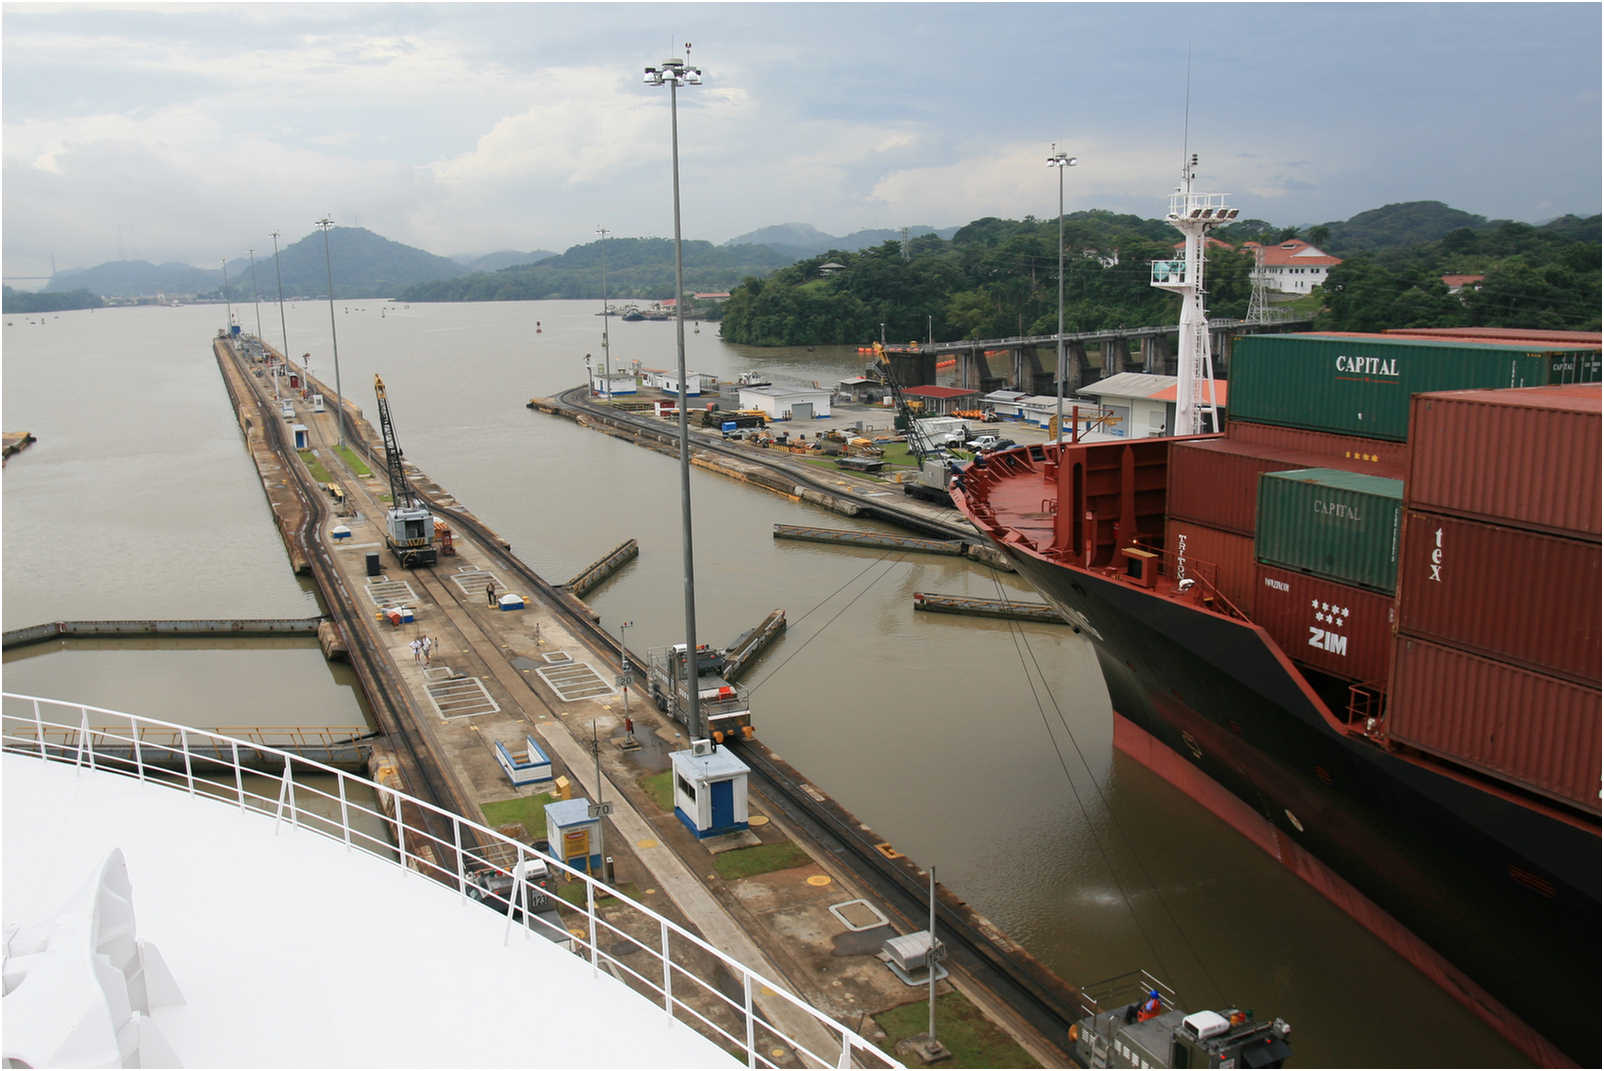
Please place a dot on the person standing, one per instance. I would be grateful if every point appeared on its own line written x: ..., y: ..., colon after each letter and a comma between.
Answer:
x: 490, y: 593
x: 417, y: 650
x: 428, y: 647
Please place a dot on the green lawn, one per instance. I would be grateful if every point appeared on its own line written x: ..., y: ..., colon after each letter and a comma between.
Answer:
x: 352, y: 461
x: 968, y: 1035
x: 660, y: 787
x: 529, y: 812
x: 746, y: 862
x: 314, y: 466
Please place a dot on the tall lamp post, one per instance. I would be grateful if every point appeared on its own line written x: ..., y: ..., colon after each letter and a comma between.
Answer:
x: 607, y: 353
x: 256, y: 294
x: 1060, y: 161
x: 339, y: 399
x: 229, y: 301
x: 675, y: 73
x: 280, y: 277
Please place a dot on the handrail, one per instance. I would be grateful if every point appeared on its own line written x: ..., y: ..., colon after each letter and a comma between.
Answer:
x: 736, y: 1025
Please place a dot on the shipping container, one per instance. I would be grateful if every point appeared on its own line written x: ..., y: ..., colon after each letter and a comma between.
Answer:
x: 1506, y: 593
x: 1522, y: 457
x: 1223, y: 560
x: 1361, y: 386
x: 1535, y: 731
x: 1354, y: 452
x: 1500, y: 334
x: 1338, y: 628
x: 1216, y: 481
x: 1332, y: 523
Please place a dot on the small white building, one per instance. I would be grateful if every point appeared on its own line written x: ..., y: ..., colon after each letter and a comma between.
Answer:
x: 709, y: 790
x: 1005, y: 403
x: 575, y: 836
x: 1140, y: 405
x: 669, y: 381
x: 1293, y: 266
x: 614, y: 382
x: 1039, y: 409
x: 787, y: 403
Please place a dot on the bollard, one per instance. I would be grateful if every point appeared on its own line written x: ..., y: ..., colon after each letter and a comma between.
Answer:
x: 609, y: 870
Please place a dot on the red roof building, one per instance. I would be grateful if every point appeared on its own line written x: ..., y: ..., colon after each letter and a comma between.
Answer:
x: 938, y: 401
x: 1456, y: 283
x: 1293, y: 266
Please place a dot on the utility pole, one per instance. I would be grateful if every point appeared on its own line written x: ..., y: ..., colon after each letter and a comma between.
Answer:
x: 256, y: 294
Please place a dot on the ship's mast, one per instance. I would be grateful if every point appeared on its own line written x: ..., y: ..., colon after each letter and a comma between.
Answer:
x: 1194, y: 215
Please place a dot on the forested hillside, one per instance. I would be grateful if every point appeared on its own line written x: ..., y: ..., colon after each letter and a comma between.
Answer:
x: 997, y: 278
x: 637, y: 268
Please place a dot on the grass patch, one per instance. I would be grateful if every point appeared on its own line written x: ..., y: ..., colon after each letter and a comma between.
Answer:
x: 973, y: 1040
x: 352, y: 461
x: 314, y: 466
x: 573, y: 892
x: 529, y: 812
x: 660, y: 787
x: 761, y: 859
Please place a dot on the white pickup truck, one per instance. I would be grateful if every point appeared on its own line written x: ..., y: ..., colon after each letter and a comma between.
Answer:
x: 981, y: 443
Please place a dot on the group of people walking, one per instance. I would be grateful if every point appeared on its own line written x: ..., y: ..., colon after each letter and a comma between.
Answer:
x: 422, y: 647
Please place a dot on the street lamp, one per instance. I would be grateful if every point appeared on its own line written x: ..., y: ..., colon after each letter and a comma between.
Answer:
x: 675, y: 73
x: 623, y: 663
x: 256, y: 294
x: 339, y: 399
x: 278, y: 275
x: 1060, y: 161
x: 607, y: 353
x: 226, y: 298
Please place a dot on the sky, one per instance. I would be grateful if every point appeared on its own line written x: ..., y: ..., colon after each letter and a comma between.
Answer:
x: 189, y: 132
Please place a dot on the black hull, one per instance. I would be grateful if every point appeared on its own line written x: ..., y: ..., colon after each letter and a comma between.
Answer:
x: 1504, y: 893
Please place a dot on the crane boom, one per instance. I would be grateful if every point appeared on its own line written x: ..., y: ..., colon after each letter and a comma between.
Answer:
x: 409, y: 526
x: 935, y: 464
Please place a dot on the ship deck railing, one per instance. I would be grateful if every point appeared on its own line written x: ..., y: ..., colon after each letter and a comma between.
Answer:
x: 674, y: 968
x: 1132, y: 987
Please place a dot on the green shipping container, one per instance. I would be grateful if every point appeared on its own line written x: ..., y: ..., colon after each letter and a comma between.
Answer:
x: 1361, y: 385
x: 1331, y: 523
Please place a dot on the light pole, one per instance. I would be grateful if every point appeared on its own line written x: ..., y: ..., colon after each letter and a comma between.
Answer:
x: 1060, y: 161
x: 256, y: 294
x: 278, y: 275
x: 623, y: 663
x: 607, y: 353
x: 675, y: 73
x: 339, y: 399
x: 226, y: 298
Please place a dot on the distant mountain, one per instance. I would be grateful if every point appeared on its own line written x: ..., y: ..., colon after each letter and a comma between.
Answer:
x: 800, y: 240
x: 1406, y: 223
x: 363, y: 265
x: 637, y: 268
x: 506, y: 258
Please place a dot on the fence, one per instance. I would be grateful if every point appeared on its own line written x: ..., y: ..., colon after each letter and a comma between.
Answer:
x: 680, y: 971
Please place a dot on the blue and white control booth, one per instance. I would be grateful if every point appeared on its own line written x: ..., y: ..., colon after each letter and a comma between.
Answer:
x: 709, y: 789
x: 575, y: 836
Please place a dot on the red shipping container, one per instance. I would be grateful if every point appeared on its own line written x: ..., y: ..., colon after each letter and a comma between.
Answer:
x: 1216, y: 482
x: 1527, y: 457
x: 1223, y: 560
x: 1532, y: 730
x: 1378, y: 457
x: 1507, y: 593
x: 1343, y: 630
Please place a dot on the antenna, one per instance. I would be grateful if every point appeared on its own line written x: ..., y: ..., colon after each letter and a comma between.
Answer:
x: 1186, y: 121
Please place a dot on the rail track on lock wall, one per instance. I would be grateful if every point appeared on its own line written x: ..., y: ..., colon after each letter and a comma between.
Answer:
x: 420, y: 773
x: 1040, y: 999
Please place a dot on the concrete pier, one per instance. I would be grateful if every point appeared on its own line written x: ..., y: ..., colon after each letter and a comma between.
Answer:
x: 876, y: 540
x: 592, y: 576
x: 962, y: 604
x: 751, y: 644
x: 260, y: 626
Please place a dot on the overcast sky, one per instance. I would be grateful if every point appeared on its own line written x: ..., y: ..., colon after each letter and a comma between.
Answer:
x: 189, y: 132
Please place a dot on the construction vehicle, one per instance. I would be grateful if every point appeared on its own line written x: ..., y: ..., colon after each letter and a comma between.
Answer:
x: 936, y: 465
x: 725, y: 708
x: 408, y: 525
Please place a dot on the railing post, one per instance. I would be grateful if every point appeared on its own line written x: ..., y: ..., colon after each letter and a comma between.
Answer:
x: 39, y: 729
x: 590, y: 906
x: 295, y: 820
x: 751, y: 1024
x: 239, y: 774
x: 668, y: 972
x: 139, y: 760
x: 400, y: 831
x: 462, y: 870
x: 84, y: 741
x: 512, y: 894
x: 345, y: 814
x: 846, y: 1049
x: 189, y: 773
x: 283, y: 792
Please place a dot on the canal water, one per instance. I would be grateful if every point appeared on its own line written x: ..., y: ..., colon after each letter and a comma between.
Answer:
x: 980, y: 747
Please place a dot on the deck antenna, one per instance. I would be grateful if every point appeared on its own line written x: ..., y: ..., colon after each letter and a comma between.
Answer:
x: 1194, y: 215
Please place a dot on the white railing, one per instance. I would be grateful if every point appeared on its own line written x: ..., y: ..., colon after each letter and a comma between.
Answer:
x: 478, y: 862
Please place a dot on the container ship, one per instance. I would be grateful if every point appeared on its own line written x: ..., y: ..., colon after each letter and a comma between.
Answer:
x: 1362, y: 625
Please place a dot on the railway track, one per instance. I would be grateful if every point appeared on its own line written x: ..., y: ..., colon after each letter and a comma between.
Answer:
x: 1040, y: 1000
